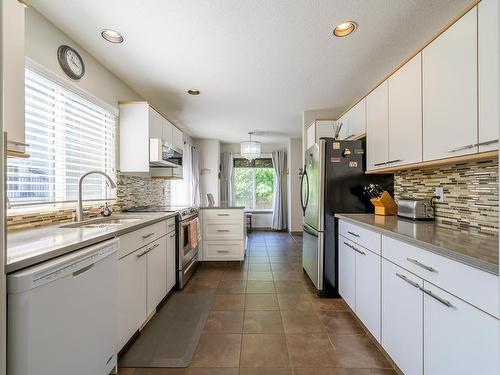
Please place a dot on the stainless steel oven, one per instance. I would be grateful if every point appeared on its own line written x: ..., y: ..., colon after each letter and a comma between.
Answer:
x: 187, y: 256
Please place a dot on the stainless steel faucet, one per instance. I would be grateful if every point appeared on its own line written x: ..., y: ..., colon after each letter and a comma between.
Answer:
x: 79, y: 208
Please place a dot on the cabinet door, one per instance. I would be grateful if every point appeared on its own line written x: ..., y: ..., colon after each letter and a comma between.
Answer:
x: 325, y: 129
x: 458, y: 338
x: 489, y: 97
x: 177, y: 138
x: 155, y: 124
x: 402, y: 318
x: 357, y: 119
x: 405, y: 113
x: 167, y: 131
x: 368, y: 289
x: 131, y: 295
x: 450, y: 91
x: 345, y: 129
x: 377, y: 127
x: 311, y: 135
x: 347, y: 271
x: 157, y: 273
x: 13, y: 57
x: 171, y: 265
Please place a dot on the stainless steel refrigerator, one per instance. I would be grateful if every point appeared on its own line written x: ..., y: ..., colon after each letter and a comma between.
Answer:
x: 332, y: 182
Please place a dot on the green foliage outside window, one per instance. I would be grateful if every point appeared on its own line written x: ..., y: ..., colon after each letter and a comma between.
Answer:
x: 253, y: 184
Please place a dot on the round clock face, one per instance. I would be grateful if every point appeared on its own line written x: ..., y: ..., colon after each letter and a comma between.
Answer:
x: 71, y: 62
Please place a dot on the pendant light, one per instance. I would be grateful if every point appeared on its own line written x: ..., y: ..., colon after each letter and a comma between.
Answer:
x: 250, y: 150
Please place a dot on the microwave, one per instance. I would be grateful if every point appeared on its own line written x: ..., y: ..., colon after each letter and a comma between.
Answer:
x: 162, y: 154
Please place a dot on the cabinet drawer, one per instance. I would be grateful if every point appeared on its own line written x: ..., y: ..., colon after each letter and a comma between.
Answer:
x: 222, y: 214
x: 132, y: 241
x: 364, y: 237
x: 223, y: 250
x: 170, y: 224
x: 222, y: 231
x: 477, y: 287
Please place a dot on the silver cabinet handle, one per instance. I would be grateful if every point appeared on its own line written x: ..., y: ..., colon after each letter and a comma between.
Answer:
x: 172, y: 235
x: 143, y: 253
x: 222, y: 230
x: 154, y: 246
x: 414, y: 261
x: 403, y: 277
x: 222, y: 214
x: 223, y: 251
x: 148, y: 235
x: 379, y: 164
x: 17, y: 143
x: 437, y: 298
x: 171, y: 225
x: 394, y: 161
x: 356, y: 250
x: 463, y: 148
x: 487, y: 142
x: 353, y: 234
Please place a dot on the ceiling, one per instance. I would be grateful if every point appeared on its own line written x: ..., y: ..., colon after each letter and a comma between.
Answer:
x: 258, y: 63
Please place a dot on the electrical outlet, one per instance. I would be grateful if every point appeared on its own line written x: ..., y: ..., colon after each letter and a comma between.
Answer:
x: 439, y: 193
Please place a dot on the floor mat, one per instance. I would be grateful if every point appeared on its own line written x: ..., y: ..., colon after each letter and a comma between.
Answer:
x: 171, y: 337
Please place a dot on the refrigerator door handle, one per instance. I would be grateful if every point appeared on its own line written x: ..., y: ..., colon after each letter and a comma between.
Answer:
x: 305, y: 177
x: 307, y: 230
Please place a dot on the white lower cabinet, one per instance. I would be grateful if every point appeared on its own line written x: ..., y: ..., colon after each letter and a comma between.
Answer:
x: 458, y: 338
x: 157, y: 273
x: 131, y: 295
x: 402, y: 318
x: 171, y: 265
x: 368, y: 290
x: 347, y: 273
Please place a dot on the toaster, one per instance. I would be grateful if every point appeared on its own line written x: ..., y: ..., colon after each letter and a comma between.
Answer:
x: 416, y: 209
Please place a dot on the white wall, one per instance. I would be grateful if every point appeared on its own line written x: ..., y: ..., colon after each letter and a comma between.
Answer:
x: 294, y: 164
x: 42, y: 42
x: 209, y: 162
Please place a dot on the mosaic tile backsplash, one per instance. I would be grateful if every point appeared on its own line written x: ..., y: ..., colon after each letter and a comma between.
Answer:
x: 470, y: 193
x: 131, y: 191
x: 140, y: 191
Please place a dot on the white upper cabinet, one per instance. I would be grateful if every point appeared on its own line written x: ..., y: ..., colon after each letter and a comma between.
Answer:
x: 405, y: 113
x: 357, y: 119
x: 345, y: 126
x: 377, y: 127
x: 138, y: 123
x: 13, y: 55
x: 323, y: 128
x: 489, y: 98
x: 450, y: 91
x: 177, y: 138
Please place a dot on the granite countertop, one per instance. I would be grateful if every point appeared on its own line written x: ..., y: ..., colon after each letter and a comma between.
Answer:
x: 476, y: 250
x: 28, y: 247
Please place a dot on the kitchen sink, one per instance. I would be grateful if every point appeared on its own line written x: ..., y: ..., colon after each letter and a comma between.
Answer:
x: 102, y: 223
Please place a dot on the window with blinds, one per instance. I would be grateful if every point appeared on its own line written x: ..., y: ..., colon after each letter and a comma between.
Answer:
x: 68, y: 135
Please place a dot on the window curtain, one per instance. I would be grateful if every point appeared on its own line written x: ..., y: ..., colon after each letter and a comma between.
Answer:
x: 195, y: 178
x: 226, y: 191
x: 279, y: 199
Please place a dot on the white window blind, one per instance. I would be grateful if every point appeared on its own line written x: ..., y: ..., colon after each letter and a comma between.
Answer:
x: 68, y: 135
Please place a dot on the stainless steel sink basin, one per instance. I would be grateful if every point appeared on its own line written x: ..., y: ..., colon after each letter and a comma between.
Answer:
x: 102, y: 223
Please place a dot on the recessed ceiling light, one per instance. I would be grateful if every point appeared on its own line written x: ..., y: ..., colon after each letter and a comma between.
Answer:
x: 345, y: 28
x: 112, y: 36
x: 193, y: 92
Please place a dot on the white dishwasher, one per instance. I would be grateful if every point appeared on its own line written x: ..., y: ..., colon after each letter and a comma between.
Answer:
x: 62, y: 314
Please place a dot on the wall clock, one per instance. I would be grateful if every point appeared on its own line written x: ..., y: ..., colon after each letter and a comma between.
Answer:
x: 71, y: 62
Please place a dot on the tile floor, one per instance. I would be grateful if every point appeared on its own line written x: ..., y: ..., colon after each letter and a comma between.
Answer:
x: 267, y: 320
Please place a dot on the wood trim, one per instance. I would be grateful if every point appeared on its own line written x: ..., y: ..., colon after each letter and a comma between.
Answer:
x: 17, y: 154
x: 438, y: 162
x: 448, y: 25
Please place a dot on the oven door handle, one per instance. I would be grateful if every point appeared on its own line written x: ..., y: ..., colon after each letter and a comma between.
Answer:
x: 193, y: 262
